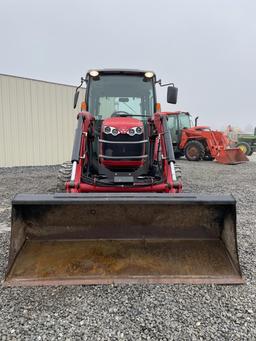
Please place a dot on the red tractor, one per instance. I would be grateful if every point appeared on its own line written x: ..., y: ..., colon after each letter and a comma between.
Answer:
x: 117, y: 147
x: 120, y: 216
x: 118, y: 139
x: 200, y: 142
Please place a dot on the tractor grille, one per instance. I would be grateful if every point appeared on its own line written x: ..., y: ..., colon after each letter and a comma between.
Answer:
x: 123, y: 137
x: 122, y: 146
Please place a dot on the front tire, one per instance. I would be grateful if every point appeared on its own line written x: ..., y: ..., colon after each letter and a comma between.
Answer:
x: 194, y: 151
x: 178, y: 172
x: 63, y: 176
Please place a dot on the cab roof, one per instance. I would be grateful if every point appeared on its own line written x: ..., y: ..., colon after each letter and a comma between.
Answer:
x: 122, y: 71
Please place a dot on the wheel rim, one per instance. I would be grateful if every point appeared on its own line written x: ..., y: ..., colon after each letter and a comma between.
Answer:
x: 243, y: 149
x: 193, y: 153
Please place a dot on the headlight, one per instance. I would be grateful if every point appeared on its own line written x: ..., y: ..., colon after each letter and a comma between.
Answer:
x: 107, y: 130
x: 111, y: 130
x: 149, y: 74
x: 139, y: 130
x: 115, y: 132
x: 94, y: 73
x: 135, y: 130
x: 131, y: 132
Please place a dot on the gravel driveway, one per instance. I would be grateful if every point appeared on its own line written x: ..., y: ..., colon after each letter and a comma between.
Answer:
x: 136, y: 312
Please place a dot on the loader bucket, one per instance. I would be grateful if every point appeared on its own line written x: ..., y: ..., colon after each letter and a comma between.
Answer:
x: 123, y: 238
x: 231, y: 156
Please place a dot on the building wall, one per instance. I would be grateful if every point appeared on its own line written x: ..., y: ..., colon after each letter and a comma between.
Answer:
x: 37, y: 122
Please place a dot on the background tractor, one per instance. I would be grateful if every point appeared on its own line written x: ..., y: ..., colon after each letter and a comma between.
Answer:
x: 247, y: 143
x: 200, y: 142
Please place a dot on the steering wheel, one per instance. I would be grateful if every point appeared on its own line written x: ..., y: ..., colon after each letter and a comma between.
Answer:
x: 120, y: 113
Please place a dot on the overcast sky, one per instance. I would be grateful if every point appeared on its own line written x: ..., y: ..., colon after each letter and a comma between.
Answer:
x: 206, y: 47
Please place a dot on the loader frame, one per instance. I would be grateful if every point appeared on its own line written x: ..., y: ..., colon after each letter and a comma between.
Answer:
x: 160, y: 140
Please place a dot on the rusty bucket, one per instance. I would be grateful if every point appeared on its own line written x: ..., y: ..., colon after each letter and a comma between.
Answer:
x: 231, y: 156
x: 123, y: 238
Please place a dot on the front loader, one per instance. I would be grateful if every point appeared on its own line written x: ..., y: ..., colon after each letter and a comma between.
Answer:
x: 119, y: 215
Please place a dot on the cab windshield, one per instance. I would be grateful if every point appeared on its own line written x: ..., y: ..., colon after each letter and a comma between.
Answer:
x: 184, y: 121
x: 128, y: 94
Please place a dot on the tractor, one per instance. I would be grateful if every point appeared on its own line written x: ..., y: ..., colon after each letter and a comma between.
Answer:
x: 200, y: 142
x: 247, y: 143
x: 119, y: 214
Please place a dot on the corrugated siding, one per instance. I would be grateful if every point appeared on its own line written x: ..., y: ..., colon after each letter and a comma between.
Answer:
x: 37, y: 122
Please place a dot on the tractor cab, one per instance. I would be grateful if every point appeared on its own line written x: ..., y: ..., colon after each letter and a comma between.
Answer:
x: 123, y: 93
x: 176, y: 122
x: 122, y: 142
x: 121, y: 103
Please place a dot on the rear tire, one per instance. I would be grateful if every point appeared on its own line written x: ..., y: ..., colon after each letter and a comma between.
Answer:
x: 244, y: 147
x: 63, y: 176
x: 194, y: 151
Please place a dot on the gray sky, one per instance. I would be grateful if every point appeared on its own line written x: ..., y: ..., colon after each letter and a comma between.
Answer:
x: 206, y: 47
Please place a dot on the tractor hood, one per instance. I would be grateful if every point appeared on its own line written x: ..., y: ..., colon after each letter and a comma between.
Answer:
x: 201, y: 128
x: 122, y: 124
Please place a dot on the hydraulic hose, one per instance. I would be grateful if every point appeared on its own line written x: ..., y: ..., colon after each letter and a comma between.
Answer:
x: 169, y: 148
x: 77, y: 140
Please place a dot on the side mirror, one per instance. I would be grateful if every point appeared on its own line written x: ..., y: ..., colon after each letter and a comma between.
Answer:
x: 172, y: 94
x: 76, y: 98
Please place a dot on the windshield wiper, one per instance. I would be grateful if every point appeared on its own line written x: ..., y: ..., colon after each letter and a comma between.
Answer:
x: 141, y: 115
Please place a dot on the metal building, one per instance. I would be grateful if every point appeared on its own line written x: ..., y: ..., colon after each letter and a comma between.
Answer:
x: 37, y: 122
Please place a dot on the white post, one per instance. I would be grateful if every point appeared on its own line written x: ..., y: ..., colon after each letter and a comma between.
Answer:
x: 174, y: 178
x: 73, y: 174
